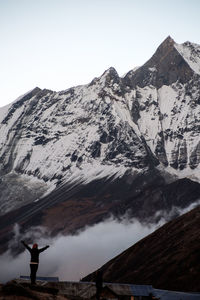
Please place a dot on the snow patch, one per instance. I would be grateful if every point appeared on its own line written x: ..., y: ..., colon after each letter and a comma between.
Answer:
x: 191, y: 54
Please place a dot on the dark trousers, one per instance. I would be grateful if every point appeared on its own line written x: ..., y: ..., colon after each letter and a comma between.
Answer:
x: 33, y: 268
x: 98, y: 292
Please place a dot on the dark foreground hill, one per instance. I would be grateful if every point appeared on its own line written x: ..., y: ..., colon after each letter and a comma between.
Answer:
x: 169, y: 258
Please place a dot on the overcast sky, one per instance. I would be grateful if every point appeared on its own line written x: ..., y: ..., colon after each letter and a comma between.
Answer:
x: 58, y: 44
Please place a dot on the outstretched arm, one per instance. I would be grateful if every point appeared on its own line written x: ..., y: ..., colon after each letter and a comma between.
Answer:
x: 26, y: 246
x: 42, y: 249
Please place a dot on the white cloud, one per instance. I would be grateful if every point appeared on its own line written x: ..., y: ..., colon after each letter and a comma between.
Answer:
x: 73, y: 257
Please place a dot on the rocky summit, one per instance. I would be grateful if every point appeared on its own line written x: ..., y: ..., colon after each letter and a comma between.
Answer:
x: 118, y: 145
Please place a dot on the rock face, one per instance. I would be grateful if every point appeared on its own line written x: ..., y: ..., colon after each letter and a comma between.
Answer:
x: 134, y: 132
x: 165, y: 67
x: 167, y: 259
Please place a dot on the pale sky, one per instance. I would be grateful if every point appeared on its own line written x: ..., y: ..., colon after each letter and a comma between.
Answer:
x: 57, y: 44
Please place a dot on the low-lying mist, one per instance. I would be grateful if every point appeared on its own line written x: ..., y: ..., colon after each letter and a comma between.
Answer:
x: 73, y: 257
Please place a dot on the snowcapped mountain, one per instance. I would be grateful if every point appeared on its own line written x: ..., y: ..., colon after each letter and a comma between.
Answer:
x: 144, y: 125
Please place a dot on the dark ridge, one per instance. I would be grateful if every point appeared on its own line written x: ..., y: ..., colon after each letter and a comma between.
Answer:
x: 167, y: 259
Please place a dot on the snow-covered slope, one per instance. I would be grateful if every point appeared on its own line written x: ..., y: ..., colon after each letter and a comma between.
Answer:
x: 149, y: 119
x: 165, y: 106
x: 191, y: 54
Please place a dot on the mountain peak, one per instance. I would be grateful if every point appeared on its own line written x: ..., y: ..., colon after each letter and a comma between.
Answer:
x: 167, y: 65
x: 111, y: 72
x: 109, y: 75
x: 167, y: 42
x: 163, y: 50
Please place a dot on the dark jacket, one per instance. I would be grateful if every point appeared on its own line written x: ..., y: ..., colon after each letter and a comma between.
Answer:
x: 34, y: 252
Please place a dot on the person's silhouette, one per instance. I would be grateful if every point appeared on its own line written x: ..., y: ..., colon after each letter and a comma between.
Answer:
x: 99, y: 283
x: 34, y: 259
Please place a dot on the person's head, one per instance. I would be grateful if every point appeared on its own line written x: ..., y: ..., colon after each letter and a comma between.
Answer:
x: 35, y: 246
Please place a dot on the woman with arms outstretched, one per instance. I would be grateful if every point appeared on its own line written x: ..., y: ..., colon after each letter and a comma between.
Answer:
x: 34, y: 259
